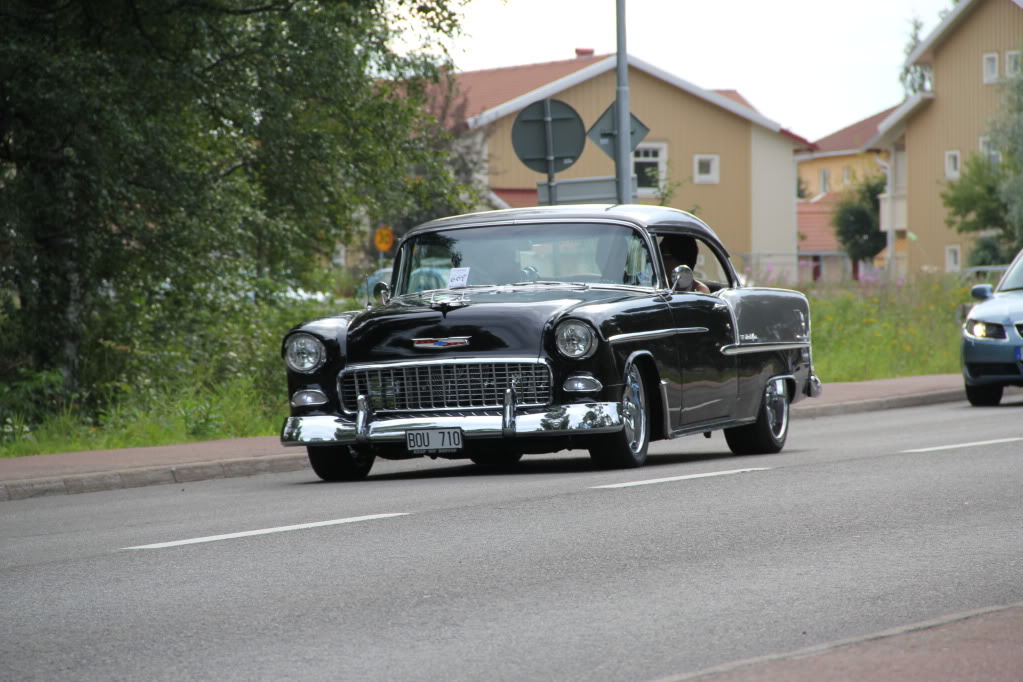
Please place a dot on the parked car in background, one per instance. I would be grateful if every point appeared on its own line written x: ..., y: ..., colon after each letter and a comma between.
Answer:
x: 993, y: 338
x: 539, y: 329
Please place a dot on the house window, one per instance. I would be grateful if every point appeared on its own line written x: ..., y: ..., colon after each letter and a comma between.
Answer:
x: 990, y: 67
x: 650, y: 165
x: 988, y: 151
x: 952, y: 254
x: 825, y: 180
x: 706, y: 169
x: 846, y: 175
x: 1012, y: 65
x: 952, y: 165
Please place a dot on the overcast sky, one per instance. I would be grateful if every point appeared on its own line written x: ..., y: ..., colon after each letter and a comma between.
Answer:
x: 813, y: 66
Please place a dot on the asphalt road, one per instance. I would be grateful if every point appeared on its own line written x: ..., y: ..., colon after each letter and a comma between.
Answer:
x: 864, y: 523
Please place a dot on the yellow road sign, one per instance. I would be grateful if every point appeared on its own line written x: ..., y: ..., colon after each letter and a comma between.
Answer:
x: 384, y: 238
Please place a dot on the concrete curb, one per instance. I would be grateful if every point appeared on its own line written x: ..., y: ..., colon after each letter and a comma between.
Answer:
x: 159, y: 475
x: 878, y: 404
x: 250, y: 466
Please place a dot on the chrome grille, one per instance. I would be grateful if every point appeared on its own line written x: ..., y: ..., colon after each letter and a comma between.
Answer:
x: 426, y: 387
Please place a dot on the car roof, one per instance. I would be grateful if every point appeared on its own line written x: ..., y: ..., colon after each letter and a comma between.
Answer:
x: 641, y: 215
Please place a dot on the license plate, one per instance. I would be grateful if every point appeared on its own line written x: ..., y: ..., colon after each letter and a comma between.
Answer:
x: 433, y: 441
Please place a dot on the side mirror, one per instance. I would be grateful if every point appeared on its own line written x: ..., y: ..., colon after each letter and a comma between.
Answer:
x: 982, y: 292
x: 682, y: 278
x: 381, y: 292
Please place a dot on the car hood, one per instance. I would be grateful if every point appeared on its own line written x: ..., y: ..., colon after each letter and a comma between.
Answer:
x: 1004, y: 307
x: 494, y: 321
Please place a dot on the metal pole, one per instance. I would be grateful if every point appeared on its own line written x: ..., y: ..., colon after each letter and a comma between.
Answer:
x: 623, y: 138
x: 552, y: 192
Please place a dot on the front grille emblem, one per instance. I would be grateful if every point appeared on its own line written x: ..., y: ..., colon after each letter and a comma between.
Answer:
x: 437, y: 344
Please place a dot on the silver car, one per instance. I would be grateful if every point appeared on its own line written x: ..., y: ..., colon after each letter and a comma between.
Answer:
x: 992, y: 355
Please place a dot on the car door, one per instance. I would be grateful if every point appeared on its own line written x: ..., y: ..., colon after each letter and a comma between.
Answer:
x: 704, y: 326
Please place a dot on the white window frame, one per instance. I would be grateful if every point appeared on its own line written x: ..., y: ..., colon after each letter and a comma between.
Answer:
x: 990, y: 75
x: 711, y: 178
x: 953, y: 164
x: 987, y: 151
x: 1012, y: 63
x: 824, y: 181
x: 662, y: 167
x: 846, y: 175
x: 953, y: 257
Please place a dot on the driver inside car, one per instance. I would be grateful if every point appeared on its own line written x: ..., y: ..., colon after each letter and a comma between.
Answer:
x: 679, y: 250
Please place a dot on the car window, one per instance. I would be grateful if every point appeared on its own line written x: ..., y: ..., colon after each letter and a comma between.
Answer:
x: 509, y: 254
x: 1013, y: 277
x: 709, y: 267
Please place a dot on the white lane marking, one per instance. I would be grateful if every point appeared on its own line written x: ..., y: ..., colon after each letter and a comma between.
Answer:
x: 265, y: 531
x: 966, y: 445
x: 680, y: 478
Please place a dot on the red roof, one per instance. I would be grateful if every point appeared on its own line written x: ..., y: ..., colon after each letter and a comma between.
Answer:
x: 854, y: 136
x: 813, y: 221
x: 488, y: 88
x: 736, y: 97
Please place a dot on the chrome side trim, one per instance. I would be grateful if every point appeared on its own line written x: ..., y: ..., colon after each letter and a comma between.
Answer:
x: 744, y: 348
x: 666, y: 410
x: 655, y: 334
x: 558, y: 420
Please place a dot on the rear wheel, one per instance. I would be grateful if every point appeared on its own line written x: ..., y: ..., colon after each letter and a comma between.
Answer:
x: 984, y: 396
x: 627, y: 449
x: 340, y: 462
x: 767, y: 435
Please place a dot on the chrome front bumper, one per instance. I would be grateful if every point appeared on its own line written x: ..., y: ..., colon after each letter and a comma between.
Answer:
x: 556, y: 420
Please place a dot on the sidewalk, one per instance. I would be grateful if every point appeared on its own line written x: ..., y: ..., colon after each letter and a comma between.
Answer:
x: 80, y: 472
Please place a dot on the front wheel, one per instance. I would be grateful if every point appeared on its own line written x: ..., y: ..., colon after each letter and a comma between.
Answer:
x: 767, y: 435
x: 340, y: 462
x: 984, y: 396
x: 627, y: 449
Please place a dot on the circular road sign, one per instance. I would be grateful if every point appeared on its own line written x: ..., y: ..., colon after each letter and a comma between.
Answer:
x: 383, y: 238
x: 529, y: 135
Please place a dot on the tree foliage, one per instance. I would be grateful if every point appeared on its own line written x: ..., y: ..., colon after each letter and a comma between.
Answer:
x: 857, y: 220
x: 149, y: 146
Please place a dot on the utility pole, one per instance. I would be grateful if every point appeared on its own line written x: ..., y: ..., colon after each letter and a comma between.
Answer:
x: 623, y: 154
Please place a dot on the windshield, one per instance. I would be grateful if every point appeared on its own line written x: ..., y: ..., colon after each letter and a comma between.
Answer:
x: 1014, y: 276
x: 541, y: 253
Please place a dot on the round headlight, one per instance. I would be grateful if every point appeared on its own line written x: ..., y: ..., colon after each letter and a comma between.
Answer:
x: 304, y: 353
x: 575, y: 339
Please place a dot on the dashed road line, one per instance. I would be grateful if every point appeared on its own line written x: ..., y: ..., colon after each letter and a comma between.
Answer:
x: 680, y: 478
x: 265, y: 531
x: 965, y: 445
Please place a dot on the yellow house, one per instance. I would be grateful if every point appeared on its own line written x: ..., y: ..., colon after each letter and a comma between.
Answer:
x: 710, y: 150
x: 839, y: 162
x: 930, y: 135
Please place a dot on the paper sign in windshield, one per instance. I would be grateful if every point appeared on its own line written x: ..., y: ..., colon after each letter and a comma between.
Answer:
x: 458, y: 278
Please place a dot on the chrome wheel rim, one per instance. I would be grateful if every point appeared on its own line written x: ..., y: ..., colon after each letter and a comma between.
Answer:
x: 634, y: 410
x: 776, y: 408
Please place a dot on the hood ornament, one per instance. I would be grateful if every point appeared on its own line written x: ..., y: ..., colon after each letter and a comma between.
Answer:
x: 438, y: 344
x: 443, y: 303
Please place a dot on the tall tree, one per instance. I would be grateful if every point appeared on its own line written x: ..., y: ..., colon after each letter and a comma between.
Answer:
x: 152, y: 141
x: 857, y: 220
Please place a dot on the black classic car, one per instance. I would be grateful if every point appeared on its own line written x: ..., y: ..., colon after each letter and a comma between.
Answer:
x: 539, y: 329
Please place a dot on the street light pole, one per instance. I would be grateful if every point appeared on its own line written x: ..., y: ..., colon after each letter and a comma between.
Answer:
x: 623, y: 153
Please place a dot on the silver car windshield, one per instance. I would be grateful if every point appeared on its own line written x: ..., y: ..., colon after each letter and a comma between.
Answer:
x: 540, y: 254
x: 1013, y: 279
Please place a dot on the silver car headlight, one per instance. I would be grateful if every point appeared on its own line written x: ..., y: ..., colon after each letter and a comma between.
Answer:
x: 304, y: 353
x: 985, y: 330
x: 575, y: 339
